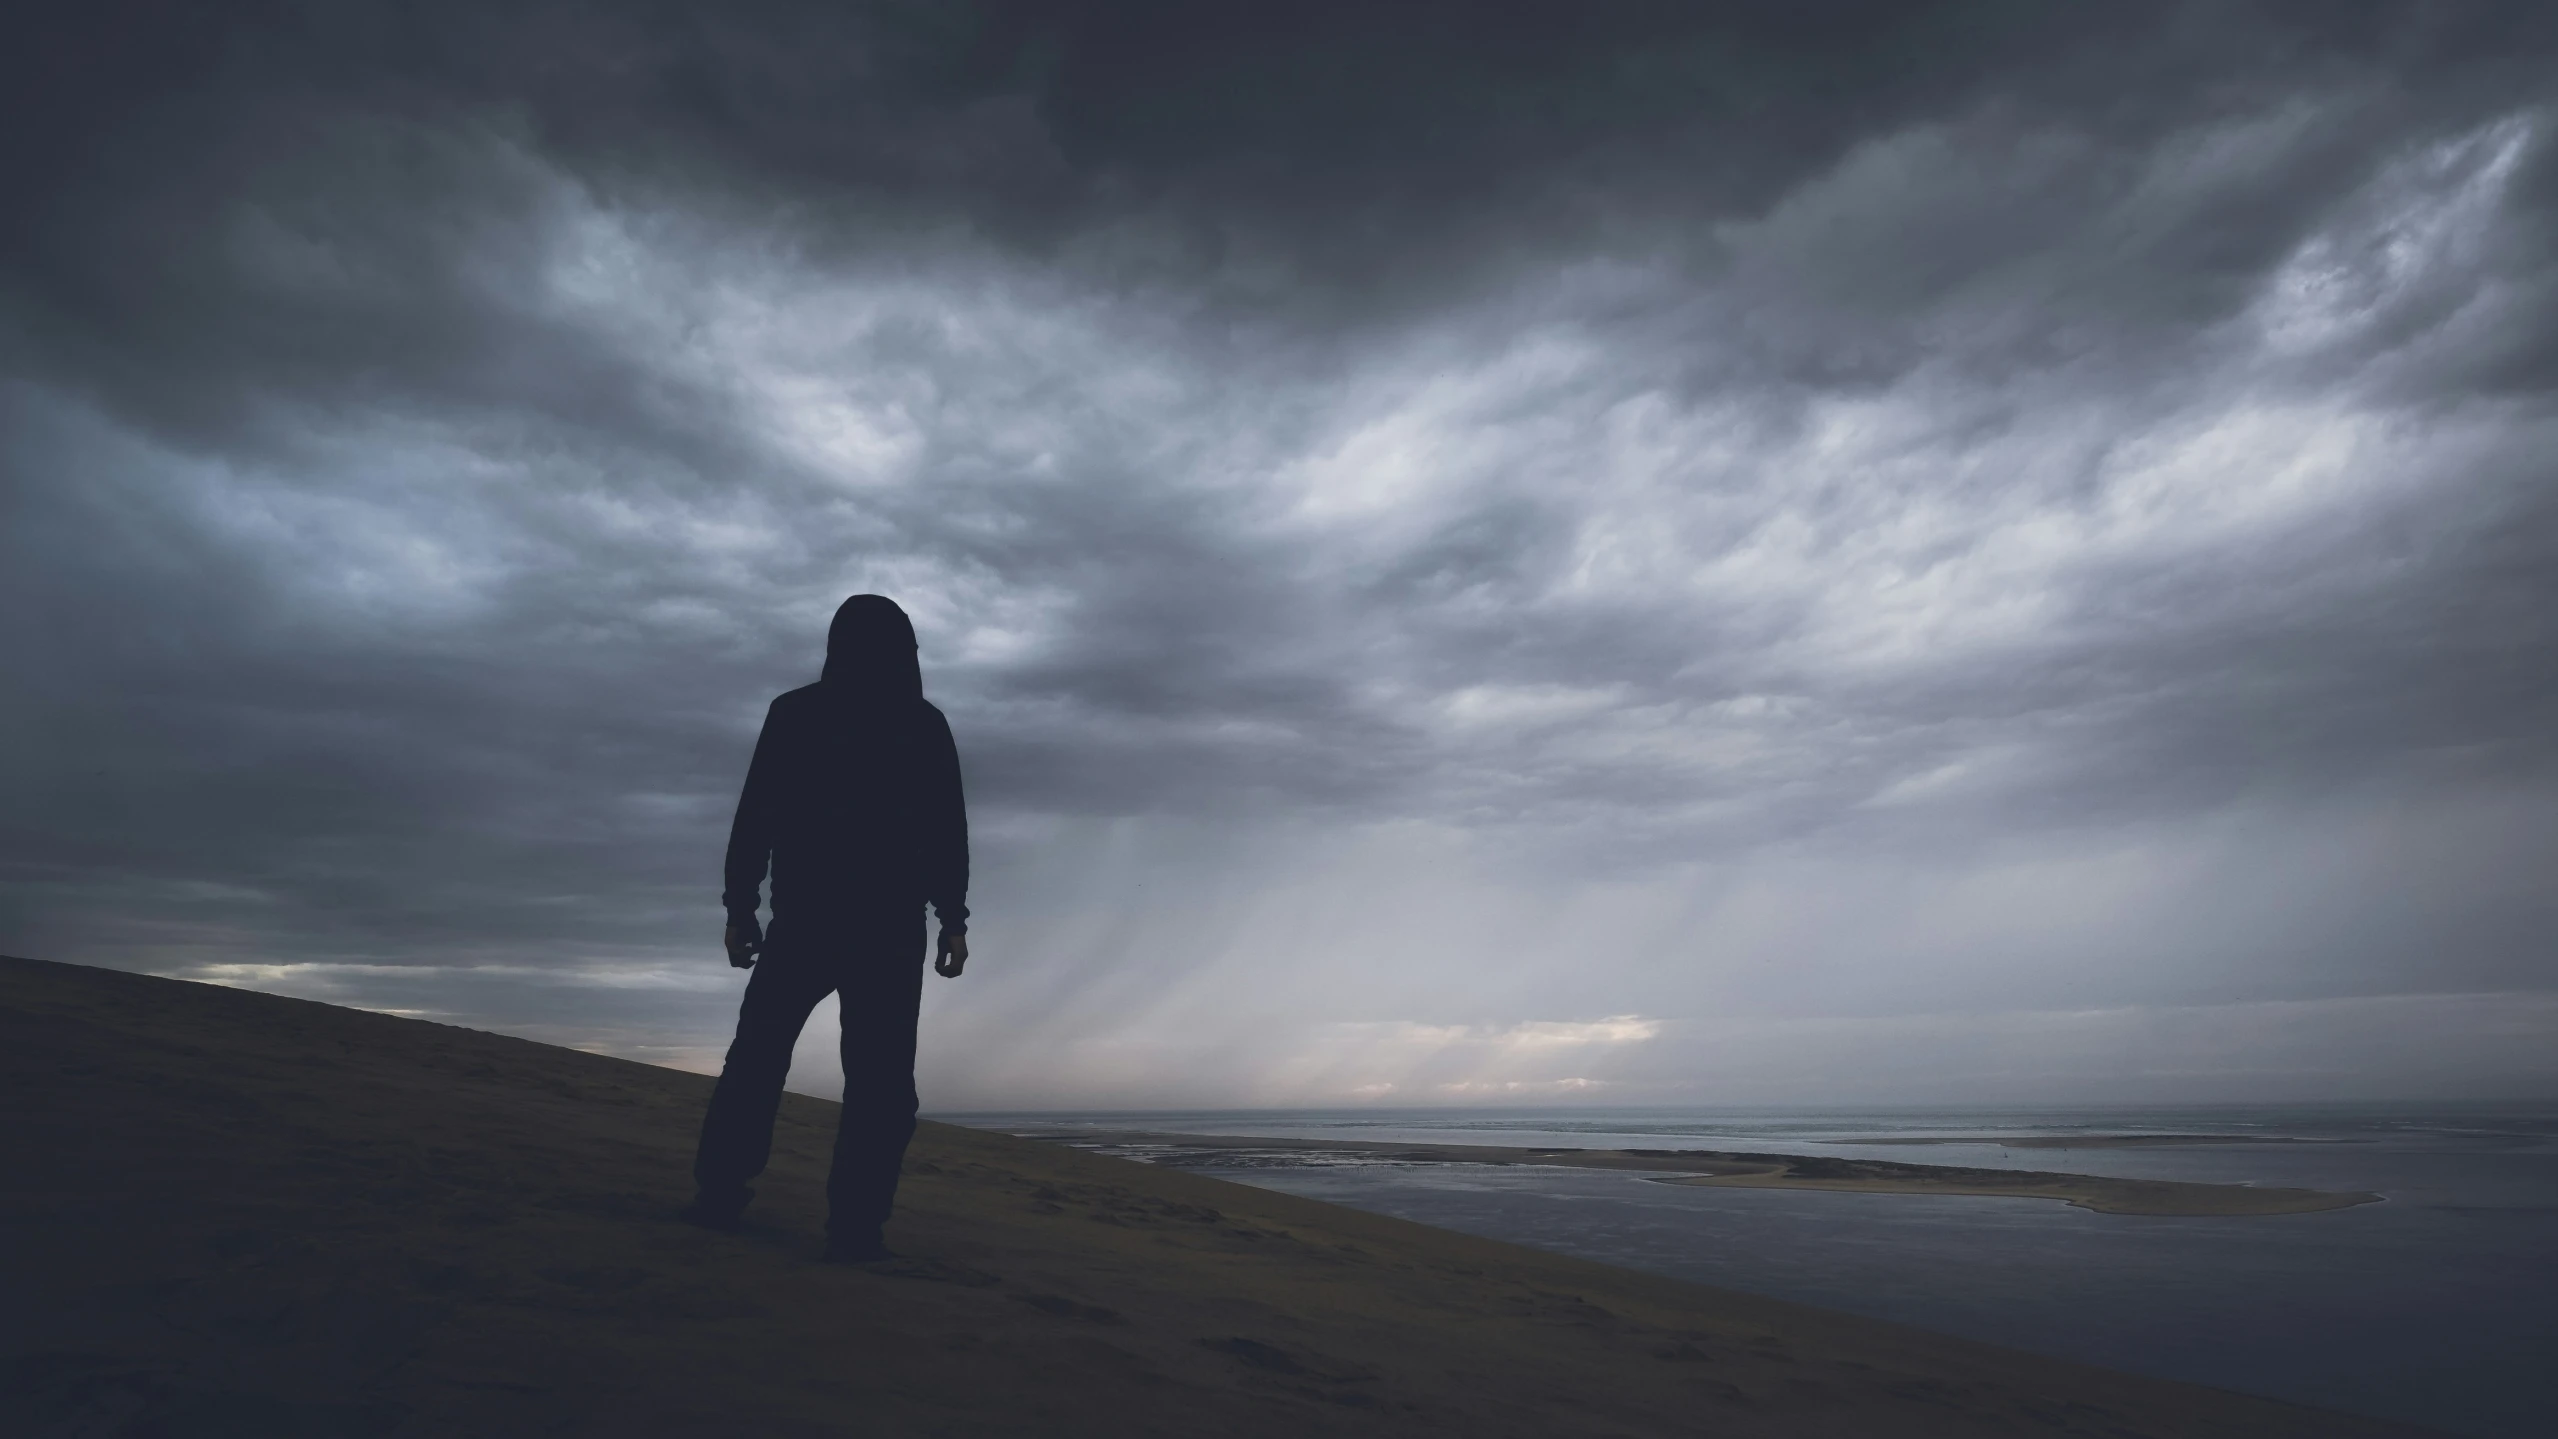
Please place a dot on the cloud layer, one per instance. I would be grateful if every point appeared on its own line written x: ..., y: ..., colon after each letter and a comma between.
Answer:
x: 1439, y: 530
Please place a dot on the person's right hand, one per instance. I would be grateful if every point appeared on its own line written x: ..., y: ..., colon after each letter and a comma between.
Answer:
x: 743, y: 944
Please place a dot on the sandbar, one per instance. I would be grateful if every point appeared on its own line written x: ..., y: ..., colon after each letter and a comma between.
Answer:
x: 2099, y: 1141
x: 2103, y: 1194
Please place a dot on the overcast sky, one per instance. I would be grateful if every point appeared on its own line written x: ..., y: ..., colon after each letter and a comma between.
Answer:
x: 1579, y: 553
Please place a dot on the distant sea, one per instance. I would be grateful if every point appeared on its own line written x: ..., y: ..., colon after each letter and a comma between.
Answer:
x: 2438, y: 1305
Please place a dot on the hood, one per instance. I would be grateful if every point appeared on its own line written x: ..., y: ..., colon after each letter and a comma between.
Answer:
x: 870, y: 651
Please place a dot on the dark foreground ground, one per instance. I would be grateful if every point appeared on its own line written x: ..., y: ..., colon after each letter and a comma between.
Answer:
x: 227, y: 1213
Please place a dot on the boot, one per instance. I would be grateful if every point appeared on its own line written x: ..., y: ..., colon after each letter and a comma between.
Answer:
x: 857, y: 1246
x: 722, y: 1211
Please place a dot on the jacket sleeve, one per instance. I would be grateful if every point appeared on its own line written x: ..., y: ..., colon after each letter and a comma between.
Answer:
x: 946, y: 853
x: 750, y: 834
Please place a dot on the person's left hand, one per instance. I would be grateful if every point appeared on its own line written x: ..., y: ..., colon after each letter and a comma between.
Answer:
x: 743, y: 945
x: 954, y: 955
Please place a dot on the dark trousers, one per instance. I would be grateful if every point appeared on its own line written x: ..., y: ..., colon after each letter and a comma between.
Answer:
x: 876, y: 966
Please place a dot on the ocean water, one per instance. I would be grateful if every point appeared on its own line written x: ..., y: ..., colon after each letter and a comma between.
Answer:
x: 2438, y: 1305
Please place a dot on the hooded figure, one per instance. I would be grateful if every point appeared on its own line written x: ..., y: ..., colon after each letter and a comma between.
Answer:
x: 853, y: 802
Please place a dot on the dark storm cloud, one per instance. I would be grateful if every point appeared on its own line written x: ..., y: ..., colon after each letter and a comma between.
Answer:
x: 1633, y: 436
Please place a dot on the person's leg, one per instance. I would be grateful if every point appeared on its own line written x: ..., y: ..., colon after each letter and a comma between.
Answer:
x: 880, y: 989
x: 737, y: 1133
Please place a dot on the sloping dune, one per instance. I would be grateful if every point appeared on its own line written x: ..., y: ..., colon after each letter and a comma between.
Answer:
x: 232, y: 1213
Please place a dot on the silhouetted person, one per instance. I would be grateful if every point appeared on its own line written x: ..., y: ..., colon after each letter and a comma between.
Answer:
x: 853, y: 798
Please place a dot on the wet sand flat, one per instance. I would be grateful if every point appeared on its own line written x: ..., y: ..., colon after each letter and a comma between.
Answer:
x: 1729, y: 1169
x: 232, y: 1213
x: 2160, y: 1198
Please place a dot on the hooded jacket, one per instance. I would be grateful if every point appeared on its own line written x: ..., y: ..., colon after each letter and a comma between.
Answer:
x: 853, y: 797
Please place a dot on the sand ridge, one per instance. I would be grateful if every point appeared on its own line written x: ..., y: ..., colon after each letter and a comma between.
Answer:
x: 230, y: 1212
